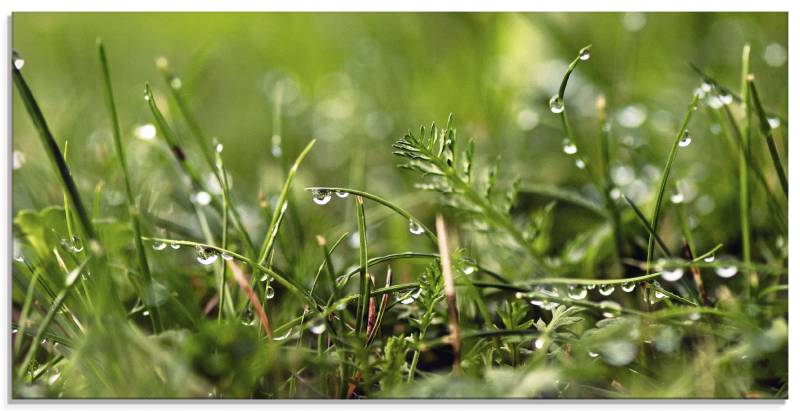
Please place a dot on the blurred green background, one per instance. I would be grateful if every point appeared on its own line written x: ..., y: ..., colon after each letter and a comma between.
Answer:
x: 356, y: 82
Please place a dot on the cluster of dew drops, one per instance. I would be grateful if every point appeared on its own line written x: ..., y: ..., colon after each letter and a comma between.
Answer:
x: 322, y: 197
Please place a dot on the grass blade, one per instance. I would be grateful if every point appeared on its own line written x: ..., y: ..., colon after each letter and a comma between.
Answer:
x: 640, y: 216
x: 665, y: 176
x: 450, y: 292
x: 133, y: 209
x: 744, y: 156
x: 766, y: 130
x: 364, y: 283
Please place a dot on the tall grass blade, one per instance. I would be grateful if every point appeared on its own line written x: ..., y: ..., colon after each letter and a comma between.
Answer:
x: 766, y: 130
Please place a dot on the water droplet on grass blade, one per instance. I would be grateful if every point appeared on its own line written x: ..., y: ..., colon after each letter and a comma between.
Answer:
x: 539, y: 343
x: 318, y: 327
x: 270, y: 292
x: 710, y: 258
x: 610, y: 309
x: 175, y: 246
x: 628, y: 287
x: 342, y: 194
x: 206, y: 256
x: 576, y: 292
x: 706, y: 87
x: 321, y: 197
x: 17, y: 59
x: 158, y: 245
x: 674, y: 274
x: 176, y: 83
x: 584, y: 54
x: 219, y: 147
x: 556, y: 104
x: 146, y: 96
x: 685, y: 140
x: 606, y: 289
x: 774, y: 122
x: 415, y: 228
x: 593, y: 354
x: 727, y: 272
x: 676, y: 198
x: 569, y: 147
x: 145, y: 132
x: 201, y: 198
x: 726, y: 98
x: 580, y: 164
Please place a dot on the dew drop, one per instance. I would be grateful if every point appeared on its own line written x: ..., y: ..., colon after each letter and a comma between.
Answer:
x: 606, y: 289
x: 264, y: 277
x: 628, y: 287
x: 469, y: 269
x: 577, y: 292
x: 146, y: 96
x: 556, y: 104
x: 342, y: 194
x: 593, y: 354
x: 569, y: 147
x: 201, y: 198
x: 270, y: 292
x: 321, y: 197
x: 694, y: 316
x: 146, y: 313
x: 318, y: 327
x: 676, y: 198
x: 145, y: 132
x: 17, y: 59
x: 206, y: 256
x: 610, y: 308
x: 406, y: 301
x: 219, y: 147
x: 659, y: 295
x: 591, y: 286
x: 726, y: 98
x: 774, y: 122
x: 175, y: 246
x: 580, y: 164
x: 710, y: 259
x: 158, y: 245
x: 18, y: 159
x: 706, y: 87
x: 727, y: 272
x: 673, y: 274
x: 176, y: 83
x: 539, y: 343
x: 73, y: 244
x: 276, y: 151
x: 584, y: 55
x: 685, y: 140
x: 415, y: 228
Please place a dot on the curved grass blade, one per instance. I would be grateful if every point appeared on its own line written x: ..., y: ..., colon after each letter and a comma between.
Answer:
x: 567, y: 196
x: 642, y: 219
x: 364, y: 283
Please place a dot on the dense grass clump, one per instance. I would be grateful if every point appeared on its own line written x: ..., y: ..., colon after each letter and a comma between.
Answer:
x: 477, y: 295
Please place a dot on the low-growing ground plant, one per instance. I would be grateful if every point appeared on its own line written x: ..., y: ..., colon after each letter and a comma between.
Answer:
x: 133, y: 305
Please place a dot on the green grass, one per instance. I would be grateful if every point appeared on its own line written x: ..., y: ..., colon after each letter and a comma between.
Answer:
x: 543, y: 278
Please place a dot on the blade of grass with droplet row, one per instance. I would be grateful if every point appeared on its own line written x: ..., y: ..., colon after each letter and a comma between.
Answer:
x: 133, y: 209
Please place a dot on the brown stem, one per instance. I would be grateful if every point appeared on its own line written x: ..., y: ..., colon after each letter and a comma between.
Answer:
x: 449, y: 291
x: 241, y: 278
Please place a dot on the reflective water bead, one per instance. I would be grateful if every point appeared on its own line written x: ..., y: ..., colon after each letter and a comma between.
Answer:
x: 584, y: 55
x: 726, y: 98
x: 318, y: 327
x: 685, y: 140
x: 610, y: 308
x: 556, y: 104
x: 576, y: 292
x: 321, y: 197
x: 710, y: 258
x: 606, y: 289
x: 628, y: 287
x: 774, y: 122
x: 580, y: 164
x: 176, y: 83
x: 158, y: 245
x: 206, y: 256
x: 146, y: 95
x: 676, y: 198
x: 569, y: 147
x: 674, y: 274
x: 270, y: 292
x: 727, y: 272
x: 415, y: 228
x: 17, y: 59
x: 175, y: 246
x: 342, y: 194
x: 201, y: 198
x: 539, y: 343
x: 593, y: 354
